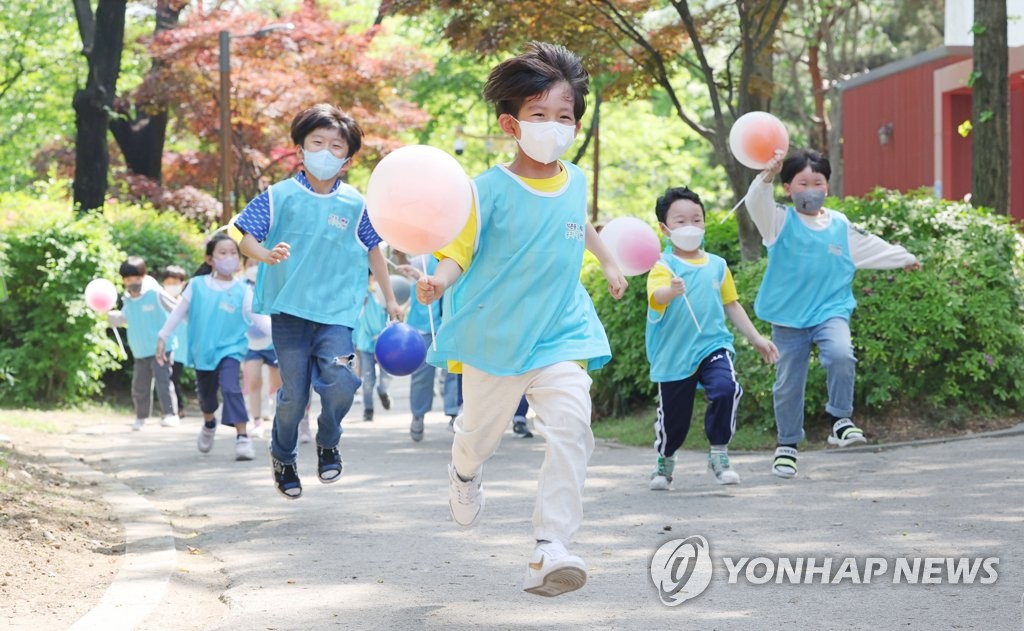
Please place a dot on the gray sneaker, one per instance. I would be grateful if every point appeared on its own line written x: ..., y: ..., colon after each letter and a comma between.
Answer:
x: 661, y: 478
x: 416, y: 428
x: 205, y: 440
x: 718, y: 463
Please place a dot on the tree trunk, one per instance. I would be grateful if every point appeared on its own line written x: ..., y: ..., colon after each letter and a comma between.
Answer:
x: 102, y: 42
x: 141, y: 134
x: 990, y: 180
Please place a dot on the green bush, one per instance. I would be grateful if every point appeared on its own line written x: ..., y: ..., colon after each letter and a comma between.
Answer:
x: 52, y: 347
x: 161, y: 238
x: 948, y: 338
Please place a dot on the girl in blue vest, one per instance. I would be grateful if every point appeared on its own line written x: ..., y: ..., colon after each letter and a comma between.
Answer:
x: 690, y: 349
x: 217, y: 307
x: 144, y: 310
x: 806, y: 294
x: 311, y: 283
x: 516, y: 319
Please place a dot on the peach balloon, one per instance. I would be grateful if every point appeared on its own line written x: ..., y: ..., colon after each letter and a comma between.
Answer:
x: 633, y: 243
x: 100, y: 295
x: 755, y: 137
x: 418, y: 199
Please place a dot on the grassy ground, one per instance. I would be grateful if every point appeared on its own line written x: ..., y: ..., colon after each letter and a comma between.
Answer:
x: 638, y: 430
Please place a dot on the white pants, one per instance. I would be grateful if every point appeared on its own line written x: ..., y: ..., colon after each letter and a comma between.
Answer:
x: 560, y: 397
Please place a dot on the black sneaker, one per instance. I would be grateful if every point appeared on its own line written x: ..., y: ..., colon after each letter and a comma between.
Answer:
x: 286, y: 479
x: 520, y: 428
x: 385, y: 400
x: 367, y: 415
x: 328, y: 464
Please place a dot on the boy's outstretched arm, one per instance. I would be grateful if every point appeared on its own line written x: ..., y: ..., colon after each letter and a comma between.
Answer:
x: 738, y: 316
x: 616, y: 280
x: 379, y: 267
x: 432, y: 287
x: 251, y: 248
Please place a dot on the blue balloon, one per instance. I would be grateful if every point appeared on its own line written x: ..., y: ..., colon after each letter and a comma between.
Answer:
x: 400, y: 349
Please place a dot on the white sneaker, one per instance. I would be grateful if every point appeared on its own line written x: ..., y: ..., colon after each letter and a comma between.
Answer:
x: 243, y: 448
x: 257, y: 428
x: 137, y: 425
x: 205, y: 440
x: 465, y: 498
x: 305, y: 436
x: 553, y: 571
x: 718, y: 464
x: 170, y: 421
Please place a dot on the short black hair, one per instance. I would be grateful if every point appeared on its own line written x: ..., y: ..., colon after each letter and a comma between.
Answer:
x: 672, y: 195
x: 532, y: 73
x: 133, y: 266
x: 801, y: 160
x: 327, y: 116
x: 175, y: 271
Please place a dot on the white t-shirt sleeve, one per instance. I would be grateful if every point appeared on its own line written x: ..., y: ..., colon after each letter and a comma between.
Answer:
x: 871, y: 252
x: 765, y: 213
x: 179, y: 314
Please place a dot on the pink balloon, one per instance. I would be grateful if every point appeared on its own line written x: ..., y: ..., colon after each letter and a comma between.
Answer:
x: 418, y: 199
x: 633, y: 243
x: 100, y: 295
x: 755, y: 137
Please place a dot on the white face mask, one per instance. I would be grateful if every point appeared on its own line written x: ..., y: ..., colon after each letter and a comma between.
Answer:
x: 323, y: 165
x: 250, y: 273
x: 545, y: 142
x: 174, y: 290
x: 687, y: 238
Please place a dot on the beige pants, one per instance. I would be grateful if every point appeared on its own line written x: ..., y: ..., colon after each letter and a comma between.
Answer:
x: 560, y: 397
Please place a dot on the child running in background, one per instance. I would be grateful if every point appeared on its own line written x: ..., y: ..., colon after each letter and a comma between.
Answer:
x: 144, y: 310
x: 689, y: 350
x: 372, y: 320
x: 312, y: 284
x: 421, y: 383
x: 174, y: 279
x: 806, y: 294
x: 516, y: 319
x: 215, y: 305
x: 260, y: 353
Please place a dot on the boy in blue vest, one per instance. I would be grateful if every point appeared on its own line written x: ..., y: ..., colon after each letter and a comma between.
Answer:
x: 516, y: 319
x: 806, y: 294
x: 421, y: 382
x: 686, y: 349
x: 312, y: 284
x: 144, y: 310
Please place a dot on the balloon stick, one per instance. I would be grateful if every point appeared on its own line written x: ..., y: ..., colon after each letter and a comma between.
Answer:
x: 742, y: 199
x: 117, y: 335
x: 430, y: 310
x: 690, y: 307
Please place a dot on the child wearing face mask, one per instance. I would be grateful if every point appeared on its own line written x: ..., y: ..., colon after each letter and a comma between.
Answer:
x: 806, y: 294
x: 687, y: 341
x: 144, y: 311
x: 516, y: 318
x: 260, y: 353
x: 218, y: 306
x: 311, y: 283
x: 174, y: 279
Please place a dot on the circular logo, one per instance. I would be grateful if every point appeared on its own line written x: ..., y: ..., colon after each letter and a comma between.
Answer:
x: 681, y: 569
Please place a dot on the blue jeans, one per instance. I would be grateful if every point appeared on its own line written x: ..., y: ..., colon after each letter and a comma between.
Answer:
x: 317, y: 354
x: 835, y: 351
x: 452, y: 393
x: 368, y: 366
x: 421, y: 385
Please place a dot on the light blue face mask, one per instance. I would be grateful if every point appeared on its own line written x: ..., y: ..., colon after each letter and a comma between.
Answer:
x: 323, y: 165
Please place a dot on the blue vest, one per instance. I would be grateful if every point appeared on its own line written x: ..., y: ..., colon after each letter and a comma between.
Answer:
x: 179, y: 341
x: 521, y: 305
x: 675, y: 348
x: 217, y: 327
x: 809, y: 274
x: 372, y: 320
x: 418, y: 317
x: 145, y: 318
x: 324, y: 278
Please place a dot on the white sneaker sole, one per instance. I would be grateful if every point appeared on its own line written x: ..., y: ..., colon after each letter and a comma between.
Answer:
x: 659, y: 484
x: 729, y: 477
x: 786, y: 474
x: 471, y: 522
x: 559, y: 581
x: 839, y: 442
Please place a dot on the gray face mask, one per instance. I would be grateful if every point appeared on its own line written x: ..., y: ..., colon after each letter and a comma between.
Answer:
x: 808, y: 202
x: 133, y: 289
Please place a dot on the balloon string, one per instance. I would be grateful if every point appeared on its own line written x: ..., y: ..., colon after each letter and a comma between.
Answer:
x: 690, y: 307
x: 391, y: 263
x: 117, y: 335
x: 430, y: 311
x: 742, y: 199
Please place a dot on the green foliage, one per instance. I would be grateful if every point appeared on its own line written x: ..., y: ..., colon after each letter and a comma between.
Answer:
x: 948, y: 338
x: 52, y: 347
x: 161, y: 239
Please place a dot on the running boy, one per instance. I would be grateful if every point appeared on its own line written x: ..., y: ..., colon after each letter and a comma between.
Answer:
x: 312, y: 283
x: 516, y: 315
x: 806, y: 294
x: 689, y: 349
